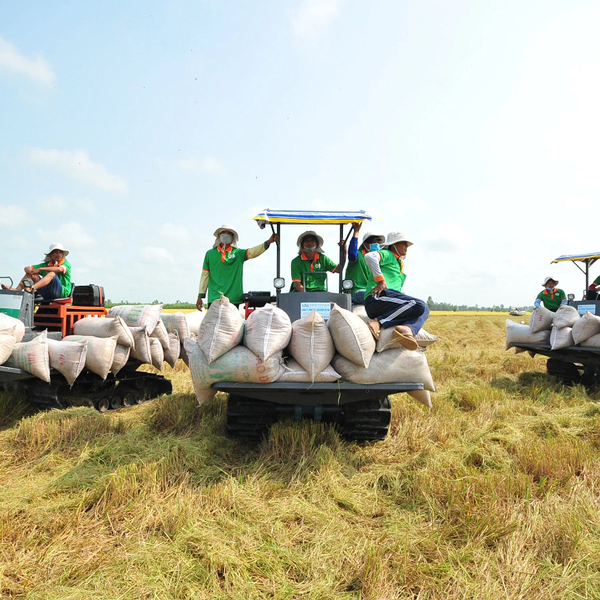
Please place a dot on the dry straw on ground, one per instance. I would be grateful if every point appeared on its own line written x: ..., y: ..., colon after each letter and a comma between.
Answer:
x: 492, y: 494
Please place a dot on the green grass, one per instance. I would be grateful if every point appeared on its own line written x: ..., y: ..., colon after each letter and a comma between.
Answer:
x: 491, y: 494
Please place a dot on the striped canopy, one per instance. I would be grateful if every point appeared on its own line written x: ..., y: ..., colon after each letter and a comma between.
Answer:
x: 303, y: 217
x: 589, y: 258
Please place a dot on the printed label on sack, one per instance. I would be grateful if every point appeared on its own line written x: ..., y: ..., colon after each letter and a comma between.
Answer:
x: 322, y: 308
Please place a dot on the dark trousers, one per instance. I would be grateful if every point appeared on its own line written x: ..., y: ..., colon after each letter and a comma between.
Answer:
x: 393, y: 308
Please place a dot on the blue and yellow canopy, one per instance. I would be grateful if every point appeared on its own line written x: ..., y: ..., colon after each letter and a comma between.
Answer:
x: 586, y: 258
x: 304, y: 217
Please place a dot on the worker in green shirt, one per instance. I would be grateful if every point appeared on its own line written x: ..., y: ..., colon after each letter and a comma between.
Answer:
x: 551, y: 297
x: 51, y: 279
x: 357, y: 269
x: 312, y: 261
x: 223, y: 267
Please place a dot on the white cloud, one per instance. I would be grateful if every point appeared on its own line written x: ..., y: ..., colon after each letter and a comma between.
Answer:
x: 37, y: 68
x: 12, y: 217
x: 53, y: 204
x: 175, y: 233
x: 114, y: 241
x: 86, y: 206
x: 77, y: 164
x: 157, y: 256
x: 71, y: 235
x: 446, y: 237
x: 314, y: 16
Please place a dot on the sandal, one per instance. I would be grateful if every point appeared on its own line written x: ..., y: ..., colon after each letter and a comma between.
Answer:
x: 375, y: 328
x: 406, y: 339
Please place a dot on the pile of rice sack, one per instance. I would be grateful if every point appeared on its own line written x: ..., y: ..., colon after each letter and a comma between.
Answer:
x: 268, y: 347
x: 102, y: 345
x: 561, y: 329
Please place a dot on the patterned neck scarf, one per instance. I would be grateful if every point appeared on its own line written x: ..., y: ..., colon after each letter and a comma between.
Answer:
x: 314, y: 260
x: 224, y: 250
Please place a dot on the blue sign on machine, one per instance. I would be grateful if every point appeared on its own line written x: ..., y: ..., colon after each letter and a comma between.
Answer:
x: 322, y: 308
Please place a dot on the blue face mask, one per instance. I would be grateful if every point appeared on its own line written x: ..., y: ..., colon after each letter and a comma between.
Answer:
x: 374, y: 247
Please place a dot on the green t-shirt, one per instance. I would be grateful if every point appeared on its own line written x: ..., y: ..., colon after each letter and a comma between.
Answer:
x: 392, y: 269
x: 226, y: 276
x: 358, y: 272
x: 314, y: 282
x: 552, y: 303
x: 64, y: 278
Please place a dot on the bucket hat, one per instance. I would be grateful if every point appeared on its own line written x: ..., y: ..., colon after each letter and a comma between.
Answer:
x: 548, y: 279
x: 220, y: 230
x: 369, y: 234
x: 315, y: 235
x: 396, y: 236
x: 55, y: 246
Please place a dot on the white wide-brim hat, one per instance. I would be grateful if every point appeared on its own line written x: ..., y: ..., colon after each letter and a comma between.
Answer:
x: 369, y: 234
x: 315, y: 235
x: 396, y: 236
x: 220, y: 230
x: 548, y: 279
x: 53, y: 247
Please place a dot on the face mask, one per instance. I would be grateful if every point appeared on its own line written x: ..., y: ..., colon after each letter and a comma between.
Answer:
x: 549, y: 288
x: 226, y: 238
x: 374, y: 247
x: 307, y: 249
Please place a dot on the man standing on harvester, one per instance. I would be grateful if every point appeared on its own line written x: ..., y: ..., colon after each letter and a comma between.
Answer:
x: 223, y: 268
x: 385, y: 303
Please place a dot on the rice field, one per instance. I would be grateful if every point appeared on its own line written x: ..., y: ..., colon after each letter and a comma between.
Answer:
x: 494, y: 493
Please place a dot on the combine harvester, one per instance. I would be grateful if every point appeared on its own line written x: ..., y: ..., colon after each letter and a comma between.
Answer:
x: 576, y: 363
x: 363, y: 411
x: 58, y: 317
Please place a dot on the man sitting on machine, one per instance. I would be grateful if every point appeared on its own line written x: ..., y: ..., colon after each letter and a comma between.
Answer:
x: 51, y: 278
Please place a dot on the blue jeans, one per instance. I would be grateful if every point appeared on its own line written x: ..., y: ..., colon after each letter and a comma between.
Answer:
x: 51, y: 291
x: 393, y: 308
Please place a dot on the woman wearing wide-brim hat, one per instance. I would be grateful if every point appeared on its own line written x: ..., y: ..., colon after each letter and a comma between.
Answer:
x: 51, y: 278
x: 223, y: 267
x: 308, y: 268
x: 551, y: 297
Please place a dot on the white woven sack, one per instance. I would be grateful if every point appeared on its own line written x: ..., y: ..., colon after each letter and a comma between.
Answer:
x: 194, y: 320
x: 32, y: 357
x: 105, y: 327
x: 157, y: 354
x: 592, y: 342
x: 387, y: 341
x: 100, y: 353
x: 360, y: 311
x: 138, y: 315
x: 294, y: 372
x: 351, y: 336
x: 267, y: 330
x: 174, y: 350
x: 586, y: 327
x: 561, y: 338
x: 221, y: 330
x: 311, y: 344
x: 161, y: 334
x: 238, y: 365
x: 517, y: 333
x: 177, y: 323
x: 120, y: 358
x: 540, y: 319
x: 141, y: 348
x: 67, y: 357
x: 422, y: 396
x: 7, y: 344
x: 16, y: 326
x: 392, y: 366
x: 565, y: 316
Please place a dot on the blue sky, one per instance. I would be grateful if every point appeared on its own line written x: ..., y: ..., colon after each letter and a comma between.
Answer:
x: 130, y: 131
